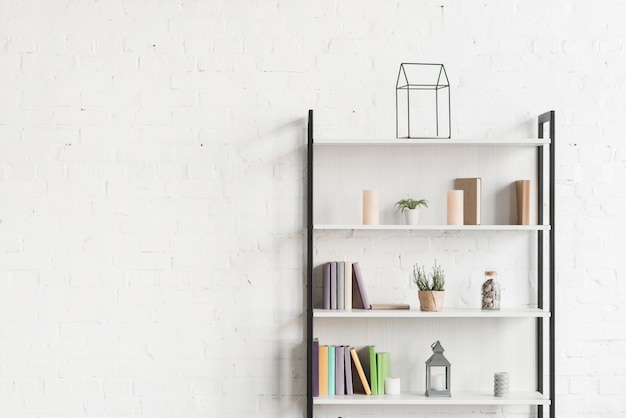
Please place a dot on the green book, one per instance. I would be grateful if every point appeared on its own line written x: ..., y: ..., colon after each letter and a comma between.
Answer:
x: 373, y: 371
x: 331, y: 369
x: 383, y: 363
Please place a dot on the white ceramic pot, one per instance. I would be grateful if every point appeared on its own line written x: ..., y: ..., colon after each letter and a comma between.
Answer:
x: 412, y: 216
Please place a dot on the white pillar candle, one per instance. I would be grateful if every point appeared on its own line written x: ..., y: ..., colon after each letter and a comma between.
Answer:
x: 392, y: 386
x: 438, y: 382
x: 455, y: 207
x: 371, y: 214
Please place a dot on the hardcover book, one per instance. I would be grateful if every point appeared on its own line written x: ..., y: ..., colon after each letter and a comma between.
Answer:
x: 472, y: 196
x: 383, y: 370
x: 348, y: 285
x: 340, y: 374
x: 360, y: 372
x: 373, y: 371
x: 348, y: 371
x: 390, y: 306
x: 331, y: 369
x: 333, y: 285
x: 323, y: 370
x: 522, y: 191
x: 326, y: 285
x: 341, y: 285
x: 359, y: 294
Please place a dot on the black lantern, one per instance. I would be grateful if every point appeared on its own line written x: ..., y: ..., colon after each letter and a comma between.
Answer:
x: 437, y: 372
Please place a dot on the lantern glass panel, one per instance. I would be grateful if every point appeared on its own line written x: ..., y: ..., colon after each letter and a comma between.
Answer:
x: 438, y: 378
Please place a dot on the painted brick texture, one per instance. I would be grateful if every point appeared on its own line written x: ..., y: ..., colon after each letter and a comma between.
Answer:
x: 152, y: 182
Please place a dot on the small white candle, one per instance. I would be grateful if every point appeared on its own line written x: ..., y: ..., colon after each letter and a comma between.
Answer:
x: 392, y: 385
x: 437, y: 382
x: 455, y: 207
x: 371, y: 214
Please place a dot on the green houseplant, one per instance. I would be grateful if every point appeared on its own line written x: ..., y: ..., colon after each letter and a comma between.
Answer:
x: 410, y: 208
x: 431, y: 287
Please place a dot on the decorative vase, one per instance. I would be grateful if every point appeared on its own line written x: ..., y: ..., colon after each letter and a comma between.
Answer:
x: 431, y: 300
x: 412, y: 216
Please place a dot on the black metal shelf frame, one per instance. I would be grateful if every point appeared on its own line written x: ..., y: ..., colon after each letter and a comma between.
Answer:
x: 543, y: 119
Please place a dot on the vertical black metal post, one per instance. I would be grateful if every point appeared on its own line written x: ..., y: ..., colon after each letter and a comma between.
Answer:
x: 548, y: 117
x: 540, y: 261
x: 309, y: 270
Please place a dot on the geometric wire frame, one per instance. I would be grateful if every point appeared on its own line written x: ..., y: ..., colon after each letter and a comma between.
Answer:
x: 422, y: 101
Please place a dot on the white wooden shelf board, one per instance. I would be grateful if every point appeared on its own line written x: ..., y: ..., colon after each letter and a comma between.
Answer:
x: 446, y: 313
x: 320, y: 227
x: 514, y: 398
x: 530, y: 142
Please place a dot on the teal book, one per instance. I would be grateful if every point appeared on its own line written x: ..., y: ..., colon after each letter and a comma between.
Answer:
x: 373, y: 371
x: 331, y: 369
x: 383, y: 365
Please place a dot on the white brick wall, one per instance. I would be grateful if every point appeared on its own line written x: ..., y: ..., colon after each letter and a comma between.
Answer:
x: 151, y: 185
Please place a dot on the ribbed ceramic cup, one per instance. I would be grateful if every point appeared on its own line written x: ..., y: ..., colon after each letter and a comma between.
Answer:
x: 501, y: 384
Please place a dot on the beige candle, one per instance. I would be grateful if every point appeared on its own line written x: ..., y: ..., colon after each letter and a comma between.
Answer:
x: 370, y: 207
x: 455, y: 207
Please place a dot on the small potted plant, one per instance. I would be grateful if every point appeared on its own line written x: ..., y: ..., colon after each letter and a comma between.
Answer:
x: 410, y: 208
x: 431, y: 289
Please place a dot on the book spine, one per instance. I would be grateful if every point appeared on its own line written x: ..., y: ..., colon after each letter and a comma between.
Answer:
x: 323, y: 370
x: 382, y: 370
x: 340, y: 375
x: 348, y: 371
x: 315, y: 351
x: 333, y: 285
x: 348, y: 286
x: 331, y: 369
x: 373, y: 370
x: 522, y: 189
x: 326, y: 285
x: 361, y: 285
x: 472, y: 196
x: 386, y: 366
x: 341, y: 285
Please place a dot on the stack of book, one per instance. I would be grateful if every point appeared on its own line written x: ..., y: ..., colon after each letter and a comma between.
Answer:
x: 340, y: 370
x: 343, y: 286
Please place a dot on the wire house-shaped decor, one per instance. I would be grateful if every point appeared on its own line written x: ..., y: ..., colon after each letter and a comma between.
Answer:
x: 422, y: 101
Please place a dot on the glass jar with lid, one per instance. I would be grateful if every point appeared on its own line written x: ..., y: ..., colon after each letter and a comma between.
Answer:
x: 491, y: 291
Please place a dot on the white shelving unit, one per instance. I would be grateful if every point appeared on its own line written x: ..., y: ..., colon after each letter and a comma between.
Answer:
x: 326, y: 218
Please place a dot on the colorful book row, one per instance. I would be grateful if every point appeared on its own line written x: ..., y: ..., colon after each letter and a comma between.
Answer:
x: 339, y: 370
x: 343, y: 286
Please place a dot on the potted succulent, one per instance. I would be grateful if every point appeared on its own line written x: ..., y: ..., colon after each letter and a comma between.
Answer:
x: 410, y: 208
x: 431, y: 289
